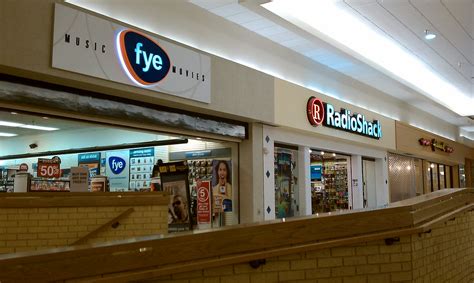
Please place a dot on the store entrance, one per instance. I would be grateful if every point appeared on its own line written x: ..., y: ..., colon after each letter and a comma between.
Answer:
x: 329, y: 181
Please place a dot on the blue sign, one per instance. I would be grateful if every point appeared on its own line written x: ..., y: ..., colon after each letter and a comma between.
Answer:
x: 117, y: 164
x: 89, y: 157
x: 146, y: 62
x: 142, y: 152
x: 316, y: 172
x: 194, y: 154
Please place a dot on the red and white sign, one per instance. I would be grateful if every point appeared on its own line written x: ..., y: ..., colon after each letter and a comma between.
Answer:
x: 49, y: 168
x: 203, y: 202
x: 315, y: 111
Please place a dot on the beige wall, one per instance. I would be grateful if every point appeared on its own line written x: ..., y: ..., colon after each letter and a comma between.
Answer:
x: 290, y: 111
x: 407, y: 142
x: 237, y: 92
x: 27, y: 229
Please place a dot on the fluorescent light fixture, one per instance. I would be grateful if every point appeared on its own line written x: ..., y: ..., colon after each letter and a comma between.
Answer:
x: 7, y: 135
x: 41, y: 128
x: 26, y: 126
x: 9, y: 124
x: 332, y: 21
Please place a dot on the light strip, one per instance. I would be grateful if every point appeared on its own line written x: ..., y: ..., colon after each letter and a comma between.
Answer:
x: 7, y: 135
x: 41, y: 128
x: 326, y: 18
x: 26, y: 126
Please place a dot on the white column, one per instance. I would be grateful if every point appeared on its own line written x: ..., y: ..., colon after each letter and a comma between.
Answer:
x: 304, y: 181
x: 356, y: 183
x: 381, y: 179
x: 268, y: 147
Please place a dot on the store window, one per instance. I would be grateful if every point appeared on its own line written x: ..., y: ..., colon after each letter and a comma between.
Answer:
x: 402, y: 176
x: 52, y: 154
x: 462, y: 176
x: 286, y: 181
x: 329, y: 181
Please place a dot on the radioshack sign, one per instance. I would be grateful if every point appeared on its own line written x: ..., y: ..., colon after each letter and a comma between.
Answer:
x: 93, y: 46
x: 322, y: 113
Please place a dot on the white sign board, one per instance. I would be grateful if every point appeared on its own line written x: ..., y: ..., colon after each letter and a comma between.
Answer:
x: 93, y: 46
x: 79, y: 179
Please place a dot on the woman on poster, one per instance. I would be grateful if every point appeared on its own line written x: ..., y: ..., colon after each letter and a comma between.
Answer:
x: 222, y: 190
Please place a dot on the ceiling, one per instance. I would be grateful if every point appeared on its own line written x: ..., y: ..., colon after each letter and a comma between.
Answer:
x: 450, y: 54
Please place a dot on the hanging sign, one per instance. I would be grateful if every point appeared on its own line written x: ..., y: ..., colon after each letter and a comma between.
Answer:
x: 49, y: 168
x: 319, y: 112
x: 203, y: 202
x: 93, y: 46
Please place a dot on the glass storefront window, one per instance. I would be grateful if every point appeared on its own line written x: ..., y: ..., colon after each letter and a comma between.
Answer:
x: 329, y: 188
x: 120, y: 160
x: 462, y: 176
x: 442, y: 177
x: 286, y: 176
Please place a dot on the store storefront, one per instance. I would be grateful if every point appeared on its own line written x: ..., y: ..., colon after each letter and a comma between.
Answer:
x: 324, y: 161
x: 95, y: 116
x: 425, y: 163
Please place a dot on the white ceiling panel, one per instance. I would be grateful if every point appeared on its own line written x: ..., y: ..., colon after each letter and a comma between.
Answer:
x: 446, y: 24
x: 463, y: 12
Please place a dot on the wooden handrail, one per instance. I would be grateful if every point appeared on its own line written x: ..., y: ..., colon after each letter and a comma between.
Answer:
x: 68, y: 199
x: 94, y: 232
x: 160, y: 255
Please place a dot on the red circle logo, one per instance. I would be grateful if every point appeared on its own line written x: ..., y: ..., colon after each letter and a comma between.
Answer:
x: 315, y: 111
x: 203, y: 194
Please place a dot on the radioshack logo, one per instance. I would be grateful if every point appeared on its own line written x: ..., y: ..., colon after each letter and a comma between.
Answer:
x: 324, y: 113
x: 144, y: 61
x: 315, y: 111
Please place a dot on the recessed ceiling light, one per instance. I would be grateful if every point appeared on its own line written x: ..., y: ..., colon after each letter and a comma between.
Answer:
x: 334, y: 154
x: 322, y: 152
x: 199, y: 138
x: 46, y: 118
x: 7, y: 135
x: 13, y: 113
x: 429, y: 35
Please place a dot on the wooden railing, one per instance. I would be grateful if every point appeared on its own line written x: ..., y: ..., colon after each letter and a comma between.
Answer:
x: 148, y: 257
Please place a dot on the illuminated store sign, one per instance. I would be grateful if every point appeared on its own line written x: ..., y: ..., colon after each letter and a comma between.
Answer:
x: 435, y: 144
x: 142, y: 58
x: 96, y: 47
x: 324, y: 113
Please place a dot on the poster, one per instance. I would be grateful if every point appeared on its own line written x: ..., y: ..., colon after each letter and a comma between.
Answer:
x: 203, y: 202
x: 221, y: 186
x: 174, y: 181
x: 91, y: 161
x: 141, y: 168
x: 117, y: 169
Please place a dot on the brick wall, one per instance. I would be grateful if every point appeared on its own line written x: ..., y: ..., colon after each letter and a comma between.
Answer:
x: 444, y: 255
x: 26, y: 229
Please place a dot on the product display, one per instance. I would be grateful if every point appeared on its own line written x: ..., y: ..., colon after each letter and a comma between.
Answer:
x: 329, y: 188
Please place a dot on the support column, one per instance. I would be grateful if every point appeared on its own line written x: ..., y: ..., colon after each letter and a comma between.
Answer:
x: 304, y: 181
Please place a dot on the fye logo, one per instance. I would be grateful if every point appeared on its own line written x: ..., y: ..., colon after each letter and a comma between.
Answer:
x: 116, y: 164
x: 144, y: 61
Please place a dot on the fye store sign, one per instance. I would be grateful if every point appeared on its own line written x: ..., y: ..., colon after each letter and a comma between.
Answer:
x: 96, y: 47
x: 324, y: 113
